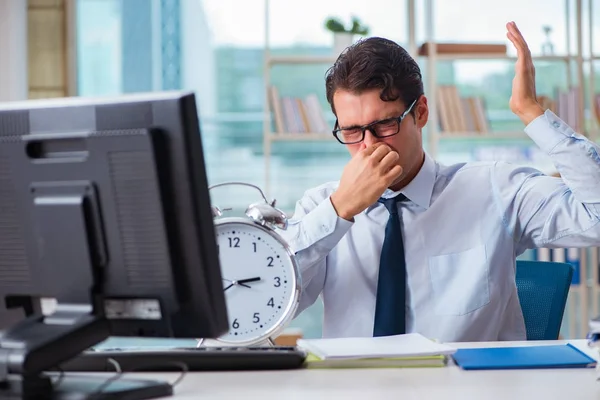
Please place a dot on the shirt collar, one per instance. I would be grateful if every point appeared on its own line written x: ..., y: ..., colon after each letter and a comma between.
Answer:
x: 420, y: 189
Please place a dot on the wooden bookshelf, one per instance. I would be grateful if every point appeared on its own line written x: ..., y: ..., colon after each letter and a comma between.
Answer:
x: 593, y: 96
x: 302, y: 137
x: 572, y: 59
x: 437, y: 129
x: 273, y: 60
x: 475, y: 136
x: 51, y: 48
x: 494, y: 57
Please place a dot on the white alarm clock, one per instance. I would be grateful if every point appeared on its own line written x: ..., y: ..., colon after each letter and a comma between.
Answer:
x: 259, y: 271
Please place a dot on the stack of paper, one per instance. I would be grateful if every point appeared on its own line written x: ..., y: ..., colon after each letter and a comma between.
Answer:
x: 410, y: 350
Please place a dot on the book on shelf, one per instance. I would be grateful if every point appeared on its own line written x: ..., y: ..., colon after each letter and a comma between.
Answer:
x: 460, y: 114
x: 463, y: 48
x: 547, y: 103
x: 566, y: 106
x: 297, y: 115
x: 596, y: 106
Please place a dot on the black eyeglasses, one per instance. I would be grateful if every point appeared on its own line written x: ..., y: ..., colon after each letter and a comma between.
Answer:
x: 384, y: 128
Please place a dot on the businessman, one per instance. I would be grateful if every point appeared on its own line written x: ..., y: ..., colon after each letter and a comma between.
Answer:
x: 402, y: 243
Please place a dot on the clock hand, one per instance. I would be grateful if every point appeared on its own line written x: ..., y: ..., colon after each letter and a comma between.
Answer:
x: 242, y: 281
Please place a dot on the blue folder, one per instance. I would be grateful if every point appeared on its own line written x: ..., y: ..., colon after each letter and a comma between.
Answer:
x: 528, y: 357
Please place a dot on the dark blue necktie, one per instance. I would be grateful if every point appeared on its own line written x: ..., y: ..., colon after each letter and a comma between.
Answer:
x: 390, y: 312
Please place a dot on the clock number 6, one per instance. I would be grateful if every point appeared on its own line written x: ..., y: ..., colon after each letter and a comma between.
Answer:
x: 235, y: 324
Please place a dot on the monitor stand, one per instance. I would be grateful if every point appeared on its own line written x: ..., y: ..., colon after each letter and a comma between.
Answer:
x: 69, y: 228
x: 39, y: 344
x: 85, y: 387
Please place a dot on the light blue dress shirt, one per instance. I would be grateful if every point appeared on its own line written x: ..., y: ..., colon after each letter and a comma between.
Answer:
x: 463, y: 227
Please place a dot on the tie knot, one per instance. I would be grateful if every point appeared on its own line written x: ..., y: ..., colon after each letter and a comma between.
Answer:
x: 390, y: 203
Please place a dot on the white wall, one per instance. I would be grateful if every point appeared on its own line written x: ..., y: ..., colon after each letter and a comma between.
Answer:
x: 13, y: 50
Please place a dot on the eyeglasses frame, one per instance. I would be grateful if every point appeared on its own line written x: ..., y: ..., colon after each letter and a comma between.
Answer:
x: 369, y: 127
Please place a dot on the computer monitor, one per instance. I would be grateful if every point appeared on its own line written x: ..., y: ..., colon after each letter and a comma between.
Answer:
x: 104, y: 206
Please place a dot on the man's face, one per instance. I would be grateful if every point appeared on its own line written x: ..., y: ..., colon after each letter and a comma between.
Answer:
x: 354, y: 109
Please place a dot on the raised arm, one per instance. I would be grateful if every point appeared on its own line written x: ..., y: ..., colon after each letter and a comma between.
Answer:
x: 539, y: 210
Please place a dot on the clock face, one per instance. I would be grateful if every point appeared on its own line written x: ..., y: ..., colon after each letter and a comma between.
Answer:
x: 258, y: 280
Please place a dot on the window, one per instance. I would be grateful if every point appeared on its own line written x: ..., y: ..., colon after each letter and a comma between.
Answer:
x: 216, y: 48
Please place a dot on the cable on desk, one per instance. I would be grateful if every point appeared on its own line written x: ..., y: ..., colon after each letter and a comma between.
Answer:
x: 116, y: 364
x: 119, y: 374
x: 60, y: 378
x: 184, y: 370
x: 113, y: 378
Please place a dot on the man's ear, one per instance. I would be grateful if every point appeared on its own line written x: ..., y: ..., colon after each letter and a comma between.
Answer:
x: 421, y: 112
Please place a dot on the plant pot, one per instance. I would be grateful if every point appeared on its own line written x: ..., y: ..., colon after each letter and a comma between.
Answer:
x: 342, y: 40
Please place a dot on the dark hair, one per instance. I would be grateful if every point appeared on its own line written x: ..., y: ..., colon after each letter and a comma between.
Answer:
x: 375, y: 63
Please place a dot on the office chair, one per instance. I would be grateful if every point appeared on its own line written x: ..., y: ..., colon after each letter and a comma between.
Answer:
x: 543, y: 288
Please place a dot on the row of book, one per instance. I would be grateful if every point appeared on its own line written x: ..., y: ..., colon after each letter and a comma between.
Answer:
x: 460, y: 115
x: 597, y: 108
x: 297, y: 115
x: 306, y: 115
x: 566, y: 105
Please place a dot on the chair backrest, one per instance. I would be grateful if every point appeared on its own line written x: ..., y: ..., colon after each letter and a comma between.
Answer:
x: 543, y: 288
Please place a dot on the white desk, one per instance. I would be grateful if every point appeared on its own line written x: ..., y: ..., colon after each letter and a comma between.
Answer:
x: 402, y: 383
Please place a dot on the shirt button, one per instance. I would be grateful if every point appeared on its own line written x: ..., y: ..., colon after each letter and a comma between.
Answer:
x: 324, y: 229
x: 556, y: 124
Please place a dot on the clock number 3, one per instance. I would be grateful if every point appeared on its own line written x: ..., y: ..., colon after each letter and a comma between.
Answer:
x: 277, y: 281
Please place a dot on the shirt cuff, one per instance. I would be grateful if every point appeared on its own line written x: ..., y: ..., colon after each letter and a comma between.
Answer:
x: 548, y: 130
x: 323, y: 227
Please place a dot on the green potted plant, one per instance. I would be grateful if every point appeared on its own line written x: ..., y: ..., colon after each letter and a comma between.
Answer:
x: 343, y: 36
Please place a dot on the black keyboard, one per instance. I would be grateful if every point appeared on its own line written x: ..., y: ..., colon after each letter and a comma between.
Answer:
x: 196, y: 359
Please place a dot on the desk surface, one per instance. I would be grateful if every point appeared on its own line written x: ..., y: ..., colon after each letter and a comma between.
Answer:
x: 402, y: 383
